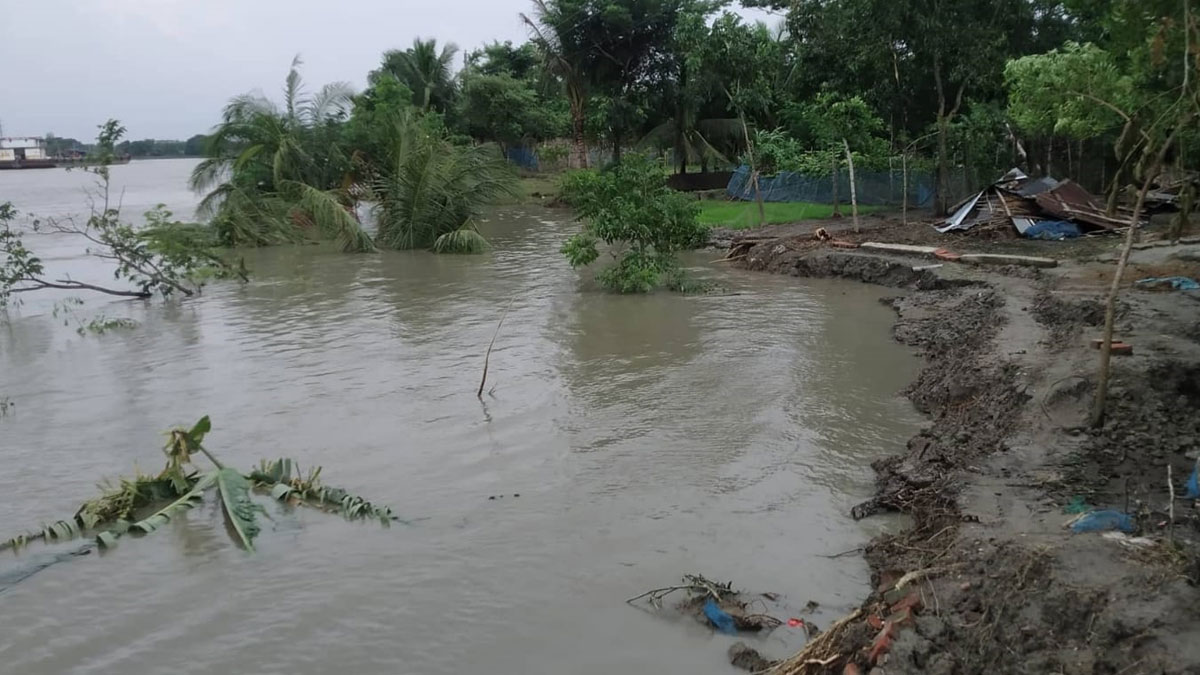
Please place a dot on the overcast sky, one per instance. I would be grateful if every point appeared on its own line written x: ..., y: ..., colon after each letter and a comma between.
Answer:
x: 166, y: 67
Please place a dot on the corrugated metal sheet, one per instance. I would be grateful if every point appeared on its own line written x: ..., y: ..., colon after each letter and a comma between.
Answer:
x: 1070, y: 201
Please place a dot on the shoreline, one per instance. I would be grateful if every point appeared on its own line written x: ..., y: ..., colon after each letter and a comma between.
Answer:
x: 990, y: 580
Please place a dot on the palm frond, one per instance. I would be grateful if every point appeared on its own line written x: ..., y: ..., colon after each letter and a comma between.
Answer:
x: 331, y: 100
x: 331, y: 217
x: 463, y: 240
x: 208, y: 173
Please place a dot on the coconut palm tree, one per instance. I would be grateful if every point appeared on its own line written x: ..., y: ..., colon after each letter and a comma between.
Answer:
x: 426, y: 71
x: 276, y: 174
x: 427, y: 191
x: 554, y: 35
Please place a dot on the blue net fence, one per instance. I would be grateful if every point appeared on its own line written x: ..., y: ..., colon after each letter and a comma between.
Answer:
x: 876, y: 188
x: 523, y: 156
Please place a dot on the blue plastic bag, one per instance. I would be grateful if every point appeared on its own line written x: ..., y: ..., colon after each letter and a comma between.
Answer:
x: 719, y: 618
x: 1103, y: 521
x: 1193, y: 483
x: 1176, y: 283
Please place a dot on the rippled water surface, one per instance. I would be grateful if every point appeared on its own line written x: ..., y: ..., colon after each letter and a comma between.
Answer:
x: 647, y: 437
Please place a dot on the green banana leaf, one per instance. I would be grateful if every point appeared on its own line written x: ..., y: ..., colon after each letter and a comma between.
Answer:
x: 239, y: 509
x: 185, y: 503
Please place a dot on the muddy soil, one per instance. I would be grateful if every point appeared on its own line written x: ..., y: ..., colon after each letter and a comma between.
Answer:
x: 1001, y: 585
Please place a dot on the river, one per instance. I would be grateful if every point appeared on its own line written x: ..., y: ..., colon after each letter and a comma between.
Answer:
x: 647, y: 437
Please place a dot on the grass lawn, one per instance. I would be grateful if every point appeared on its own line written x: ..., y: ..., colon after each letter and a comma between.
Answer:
x: 742, y: 215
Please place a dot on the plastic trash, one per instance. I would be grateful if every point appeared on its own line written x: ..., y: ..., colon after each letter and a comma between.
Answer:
x: 794, y: 622
x: 719, y: 618
x: 1076, y: 505
x: 1193, y: 483
x: 1176, y: 283
x: 1103, y: 521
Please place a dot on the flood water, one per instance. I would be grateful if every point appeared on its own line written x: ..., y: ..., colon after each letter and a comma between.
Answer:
x: 647, y: 437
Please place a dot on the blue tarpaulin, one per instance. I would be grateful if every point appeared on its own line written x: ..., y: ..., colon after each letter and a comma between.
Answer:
x: 1052, y: 230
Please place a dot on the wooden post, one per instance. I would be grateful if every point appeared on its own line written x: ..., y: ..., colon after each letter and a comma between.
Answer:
x: 904, y: 165
x: 762, y: 213
x: 853, y: 190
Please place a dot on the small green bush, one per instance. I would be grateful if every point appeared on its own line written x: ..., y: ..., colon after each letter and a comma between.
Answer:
x: 643, y: 222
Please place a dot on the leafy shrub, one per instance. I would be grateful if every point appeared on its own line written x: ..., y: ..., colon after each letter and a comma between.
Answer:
x: 643, y: 222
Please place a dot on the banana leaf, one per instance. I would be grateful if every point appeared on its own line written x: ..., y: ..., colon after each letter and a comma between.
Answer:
x: 185, y: 503
x: 239, y: 509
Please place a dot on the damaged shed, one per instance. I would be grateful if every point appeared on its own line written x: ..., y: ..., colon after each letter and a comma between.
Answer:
x: 1037, y: 208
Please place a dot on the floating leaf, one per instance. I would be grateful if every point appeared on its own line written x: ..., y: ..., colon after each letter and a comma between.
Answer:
x: 281, y: 491
x: 239, y: 509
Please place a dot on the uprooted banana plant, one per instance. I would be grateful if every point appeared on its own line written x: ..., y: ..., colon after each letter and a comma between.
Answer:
x: 180, y: 487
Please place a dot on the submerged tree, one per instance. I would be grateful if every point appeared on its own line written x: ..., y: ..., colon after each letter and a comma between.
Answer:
x: 642, y: 221
x: 427, y: 190
x: 276, y: 174
x: 162, y: 257
x: 144, y: 503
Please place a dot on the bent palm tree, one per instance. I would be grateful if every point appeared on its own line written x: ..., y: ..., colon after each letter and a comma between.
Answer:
x: 274, y: 174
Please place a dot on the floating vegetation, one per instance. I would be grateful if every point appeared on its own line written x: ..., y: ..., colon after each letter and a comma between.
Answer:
x: 144, y: 503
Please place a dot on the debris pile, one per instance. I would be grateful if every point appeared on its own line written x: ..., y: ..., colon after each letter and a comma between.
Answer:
x: 715, y: 604
x: 1042, y: 208
x: 1171, y: 189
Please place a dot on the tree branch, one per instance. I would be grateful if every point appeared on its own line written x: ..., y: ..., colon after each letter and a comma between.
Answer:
x: 71, y: 285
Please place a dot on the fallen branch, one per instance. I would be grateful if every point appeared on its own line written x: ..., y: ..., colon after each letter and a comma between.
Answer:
x: 70, y: 285
x: 819, y: 653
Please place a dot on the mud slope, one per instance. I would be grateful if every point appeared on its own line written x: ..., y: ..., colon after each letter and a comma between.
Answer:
x: 995, y: 582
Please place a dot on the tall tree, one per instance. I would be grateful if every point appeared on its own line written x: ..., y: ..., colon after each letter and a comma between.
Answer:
x: 425, y: 70
x: 566, y: 55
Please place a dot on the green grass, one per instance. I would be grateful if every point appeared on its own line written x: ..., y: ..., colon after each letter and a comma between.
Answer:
x: 742, y: 215
x: 539, y: 188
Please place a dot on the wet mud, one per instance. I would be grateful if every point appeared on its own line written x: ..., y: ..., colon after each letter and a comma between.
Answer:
x: 986, y: 579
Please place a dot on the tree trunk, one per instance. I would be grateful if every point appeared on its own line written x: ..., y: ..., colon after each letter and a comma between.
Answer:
x: 579, y: 158
x: 941, y: 204
x: 1110, y: 309
x: 837, y: 209
x: 853, y: 190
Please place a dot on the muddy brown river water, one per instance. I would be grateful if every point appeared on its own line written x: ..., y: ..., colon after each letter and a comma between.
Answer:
x: 647, y: 437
